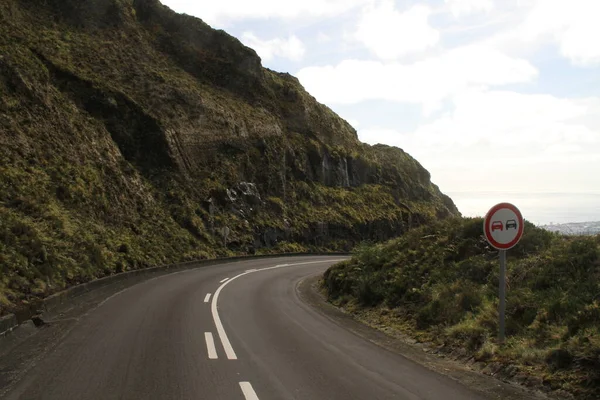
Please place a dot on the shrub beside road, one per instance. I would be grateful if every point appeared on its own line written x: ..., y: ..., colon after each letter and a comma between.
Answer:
x: 439, y: 284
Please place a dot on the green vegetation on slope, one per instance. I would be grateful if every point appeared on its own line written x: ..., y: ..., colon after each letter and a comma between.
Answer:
x: 439, y: 283
x: 133, y: 136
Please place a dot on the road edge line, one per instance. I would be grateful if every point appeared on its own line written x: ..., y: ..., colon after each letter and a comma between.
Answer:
x: 215, y: 312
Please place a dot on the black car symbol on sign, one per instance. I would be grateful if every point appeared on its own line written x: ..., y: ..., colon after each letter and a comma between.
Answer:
x: 511, y: 223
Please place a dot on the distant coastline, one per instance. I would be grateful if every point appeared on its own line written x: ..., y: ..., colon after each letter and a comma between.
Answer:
x: 575, y: 228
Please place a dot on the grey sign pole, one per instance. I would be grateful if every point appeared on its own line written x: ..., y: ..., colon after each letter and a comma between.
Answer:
x: 502, y: 294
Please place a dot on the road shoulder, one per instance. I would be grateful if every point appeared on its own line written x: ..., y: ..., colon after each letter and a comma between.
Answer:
x: 309, y: 291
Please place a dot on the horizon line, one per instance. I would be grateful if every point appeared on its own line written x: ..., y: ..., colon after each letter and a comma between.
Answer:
x: 516, y: 192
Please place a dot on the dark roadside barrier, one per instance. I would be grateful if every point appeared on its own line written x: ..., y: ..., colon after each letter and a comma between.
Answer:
x: 8, y: 323
x: 55, y: 301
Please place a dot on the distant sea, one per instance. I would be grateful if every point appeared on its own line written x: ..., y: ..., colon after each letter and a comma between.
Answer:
x: 538, y: 208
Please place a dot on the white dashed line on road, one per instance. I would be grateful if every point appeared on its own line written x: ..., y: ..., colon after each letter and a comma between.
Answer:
x: 210, y: 345
x: 248, y: 391
x: 224, y: 280
x: 207, y: 298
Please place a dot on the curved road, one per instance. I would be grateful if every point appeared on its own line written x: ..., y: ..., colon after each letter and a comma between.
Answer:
x: 155, y: 341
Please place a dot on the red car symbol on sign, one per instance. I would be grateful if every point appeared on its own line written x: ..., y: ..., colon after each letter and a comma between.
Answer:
x: 497, y: 225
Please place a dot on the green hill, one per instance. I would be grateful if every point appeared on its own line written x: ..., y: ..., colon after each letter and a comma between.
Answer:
x: 439, y: 283
x: 132, y: 136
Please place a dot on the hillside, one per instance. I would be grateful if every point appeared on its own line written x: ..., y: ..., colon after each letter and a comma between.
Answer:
x: 439, y: 284
x: 132, y: 136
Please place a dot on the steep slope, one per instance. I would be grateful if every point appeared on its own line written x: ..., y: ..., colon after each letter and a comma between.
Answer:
x: 132, y: 136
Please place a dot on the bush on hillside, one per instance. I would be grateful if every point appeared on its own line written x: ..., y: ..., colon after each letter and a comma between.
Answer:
x: 442, y: 280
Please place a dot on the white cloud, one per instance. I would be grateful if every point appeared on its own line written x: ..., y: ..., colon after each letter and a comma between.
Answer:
x: 390, y: 34
x: 291, y: 48
x: 575, y: 43
x: 509, y: 140
x: 466, y: 7
x: 224, y: 11
x: 426, y: 82
x: 505, y: 118
x: 571, y: 25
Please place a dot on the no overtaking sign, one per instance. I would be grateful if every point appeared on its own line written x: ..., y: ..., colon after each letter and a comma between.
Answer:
x: 503, y: 228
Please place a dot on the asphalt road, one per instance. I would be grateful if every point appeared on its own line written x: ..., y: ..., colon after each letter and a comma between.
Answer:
x: 235, y: 331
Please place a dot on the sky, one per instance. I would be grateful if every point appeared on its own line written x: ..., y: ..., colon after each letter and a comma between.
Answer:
x: 491, y: 96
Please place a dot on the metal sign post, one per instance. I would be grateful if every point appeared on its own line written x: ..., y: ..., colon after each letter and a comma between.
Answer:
x: 503, y: 228
x: 502, y: 295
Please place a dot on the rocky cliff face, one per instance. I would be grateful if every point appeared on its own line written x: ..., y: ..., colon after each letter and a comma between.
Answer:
x: 132, y: 136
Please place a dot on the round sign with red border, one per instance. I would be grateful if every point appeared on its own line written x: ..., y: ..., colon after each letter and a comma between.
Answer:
x: 503, y: 226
